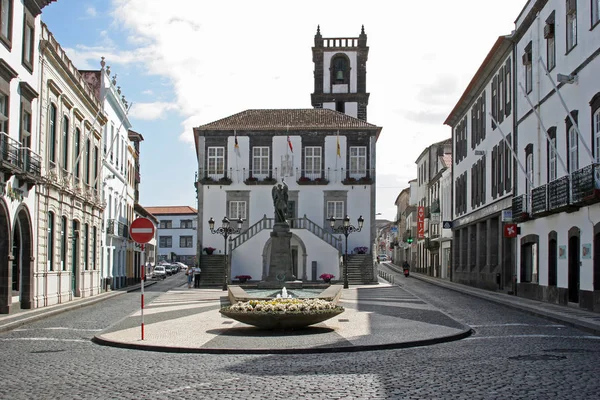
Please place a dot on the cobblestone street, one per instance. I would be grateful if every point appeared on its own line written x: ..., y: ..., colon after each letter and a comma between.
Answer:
x: 511, y: 355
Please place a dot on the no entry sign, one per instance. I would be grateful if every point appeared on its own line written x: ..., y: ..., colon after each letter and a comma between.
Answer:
x: 141, y: 230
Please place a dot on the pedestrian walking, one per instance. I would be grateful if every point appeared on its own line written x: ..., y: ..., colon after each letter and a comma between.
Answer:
x: 197, y: 277
x: 190, y: 276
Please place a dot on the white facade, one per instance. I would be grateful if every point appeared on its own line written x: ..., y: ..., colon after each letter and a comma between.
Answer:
x: 555, y: 252
x: 69, y: 207
x: 177, y: 235
x: 19, y: 159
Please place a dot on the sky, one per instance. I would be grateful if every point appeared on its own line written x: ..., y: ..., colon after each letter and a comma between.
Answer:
x: 185, y: 63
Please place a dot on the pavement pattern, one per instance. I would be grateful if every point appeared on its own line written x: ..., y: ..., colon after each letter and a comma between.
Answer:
x: 375, y: 317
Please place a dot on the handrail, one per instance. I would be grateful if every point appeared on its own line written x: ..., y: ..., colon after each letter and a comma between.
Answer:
x: 296, y: 223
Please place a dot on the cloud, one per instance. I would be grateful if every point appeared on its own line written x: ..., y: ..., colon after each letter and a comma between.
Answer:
x: 91, y: 11
x: 148, y: 92
x: 151, y: 111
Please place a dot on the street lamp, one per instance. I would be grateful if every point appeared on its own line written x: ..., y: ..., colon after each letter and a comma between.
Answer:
x: 346, y: 229
x: 225, y: 230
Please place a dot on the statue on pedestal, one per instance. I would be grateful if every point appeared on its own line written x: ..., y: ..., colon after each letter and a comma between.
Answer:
x: 280, y: 201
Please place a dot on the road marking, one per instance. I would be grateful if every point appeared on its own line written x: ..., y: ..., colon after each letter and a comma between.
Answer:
x: 57, y: 329
x: 533, y: 336
x: 35, y: 339
x: 497, y: 325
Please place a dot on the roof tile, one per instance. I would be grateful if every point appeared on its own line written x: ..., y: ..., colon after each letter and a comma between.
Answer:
x: 165, y: 210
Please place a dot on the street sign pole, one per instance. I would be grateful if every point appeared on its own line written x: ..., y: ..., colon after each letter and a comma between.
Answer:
x: 142, y: 275
x: 142, y: 231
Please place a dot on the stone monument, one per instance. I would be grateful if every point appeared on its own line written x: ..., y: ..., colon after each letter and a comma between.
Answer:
x: 280, y: 264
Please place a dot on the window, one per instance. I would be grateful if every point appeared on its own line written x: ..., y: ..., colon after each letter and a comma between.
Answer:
x: 165, y: 241
x: 76, y: 150
x: 86, y: 246
x: 87, y: 161
x: 552, y: 159
x: 595, y: 12
x: 50, y: 241
x: 186, y: 224
x: 237, y: 210
x: 571, y: 24
x: 335, y: 209
x: 4, y: 112
x: 260, y: 160
x: 28, y: 40
x: 312, y: 162
x: 112, y: 141
x: 573, y: 150
x: 25, y: 136
x: 527, y: 57
x: 63, y: 243
x: 529, y: 168
x: 185, y: 242
x: 358, y: 160
x: 94, y: 244
x: 95, y: 166
x: 216, y: 160
x: 166, y: 224
x: 65, y: 143
x: 550, y: 42
x: 52, y: 134
x: 6, y: 11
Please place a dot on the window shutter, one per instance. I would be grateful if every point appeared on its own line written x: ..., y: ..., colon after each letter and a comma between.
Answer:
x: 500, y: 169
x: 507, y: 169
x: 494, y: 155
x: 483, y: 116
x: 494, y: 100
x: 483, y: 179
x: 508, y: 93
x: 473, y: 129
x: 501, y: 89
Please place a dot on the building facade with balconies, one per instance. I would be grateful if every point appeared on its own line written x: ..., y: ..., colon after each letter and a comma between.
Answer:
x: 400, y: 252
x: 440, y: 236
x: 557, y: 198
x: 118, y: 248
x: 20, y: 161
x: 177, y: 233
x: 69, y: 202
x: 482, y: 125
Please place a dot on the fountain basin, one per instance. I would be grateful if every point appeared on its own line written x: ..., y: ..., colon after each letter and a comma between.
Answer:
x: 282, y: 320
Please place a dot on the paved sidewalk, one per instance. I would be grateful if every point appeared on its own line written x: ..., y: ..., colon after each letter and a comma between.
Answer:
x: 582, y: 319
x: 12, y: 321
x: 376, y: 317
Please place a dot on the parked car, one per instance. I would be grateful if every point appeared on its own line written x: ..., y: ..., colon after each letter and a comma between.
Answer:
x: 168, y: 269
x: 181, y: 265
x: 159, y: 272
x: 382, y: 257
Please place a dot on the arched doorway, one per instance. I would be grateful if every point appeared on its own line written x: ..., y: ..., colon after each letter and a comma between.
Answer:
x: 298, y: 250
x: 574, y: 265
x: 22, y: 267
x: 5, y: 255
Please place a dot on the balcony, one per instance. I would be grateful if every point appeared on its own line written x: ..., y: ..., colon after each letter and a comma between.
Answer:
x: 312, y: 177
x: 432, y: 245
x: 558, y: 195
x: 586, y: 184
x: 116, y: 228
x: 539, y: 201
x: 257, y: 178
x: 9, y: 156
x: 520, y: 208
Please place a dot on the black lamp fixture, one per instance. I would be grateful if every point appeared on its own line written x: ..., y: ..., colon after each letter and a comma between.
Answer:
x: 225, y: 230
x: 346, y: 229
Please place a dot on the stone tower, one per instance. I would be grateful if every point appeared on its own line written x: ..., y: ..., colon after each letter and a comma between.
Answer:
x: 341, y: 74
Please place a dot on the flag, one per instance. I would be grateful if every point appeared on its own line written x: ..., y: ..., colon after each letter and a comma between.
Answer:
x: 339, y: 153
x: 236, y: 145
x: 290, y: 144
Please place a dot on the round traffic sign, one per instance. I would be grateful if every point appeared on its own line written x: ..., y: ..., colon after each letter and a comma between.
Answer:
x: 141, y: 230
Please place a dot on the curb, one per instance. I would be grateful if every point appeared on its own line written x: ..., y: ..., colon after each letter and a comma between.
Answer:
x: 316, y: 350
x: 65, y: 307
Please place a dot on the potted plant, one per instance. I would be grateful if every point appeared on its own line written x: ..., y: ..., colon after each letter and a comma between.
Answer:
x: 327, y: 277
x: 361, y: 250
x: 209, y: 250
x: 243, y: 278
x: 251, y: 180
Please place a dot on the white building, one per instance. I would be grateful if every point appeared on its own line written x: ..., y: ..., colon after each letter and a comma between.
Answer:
x: 558, y: 258
x: 20, y: 163
x: 117, y: 252
x: 446, y: 220
x: 70, y: 204
x: 177, y: 233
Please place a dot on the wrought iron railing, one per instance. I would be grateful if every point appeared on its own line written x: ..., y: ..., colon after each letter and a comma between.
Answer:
x: 9, y: 149
x: 539, y: 200
x: 30, y: 162
x: 520, y: 208
x: 558, y: 193
x: 586, y: 184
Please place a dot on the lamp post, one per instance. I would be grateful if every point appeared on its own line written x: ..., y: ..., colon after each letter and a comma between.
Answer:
x: 225, y: 230
x: 346, y: 229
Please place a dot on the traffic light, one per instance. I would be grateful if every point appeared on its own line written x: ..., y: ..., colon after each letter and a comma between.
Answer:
x: 409, y: 240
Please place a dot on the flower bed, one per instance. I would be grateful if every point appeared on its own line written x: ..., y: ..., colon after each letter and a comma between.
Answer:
x: 282, y: 313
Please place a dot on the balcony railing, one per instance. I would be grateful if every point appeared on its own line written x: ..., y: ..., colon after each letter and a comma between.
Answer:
x: 520, y: 208
x: 539, y: 201
x: 9, y: 155
x: 586, y: 185
x: 558, y: 194
x: 302, y: 176
x: 116, y: 228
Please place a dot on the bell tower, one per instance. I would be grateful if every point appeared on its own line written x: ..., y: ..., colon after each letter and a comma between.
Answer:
x: 341, y: 74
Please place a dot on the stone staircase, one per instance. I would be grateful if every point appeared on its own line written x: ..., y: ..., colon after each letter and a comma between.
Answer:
x: 212, y: 267
x: 360, y: 269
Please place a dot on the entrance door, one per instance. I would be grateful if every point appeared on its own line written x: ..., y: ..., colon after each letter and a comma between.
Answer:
x: 291, y: 213
x: 574, y: 269
x: 16, y: 265
x: 75, y: 258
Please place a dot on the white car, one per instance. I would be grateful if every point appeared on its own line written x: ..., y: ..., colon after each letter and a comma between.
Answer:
x: 182, y: 266
x: 159, y: 272
x: 382, y: 257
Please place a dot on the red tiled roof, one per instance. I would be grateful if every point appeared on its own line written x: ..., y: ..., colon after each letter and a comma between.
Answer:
x: 272, y: 119
x: 171, y: 210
